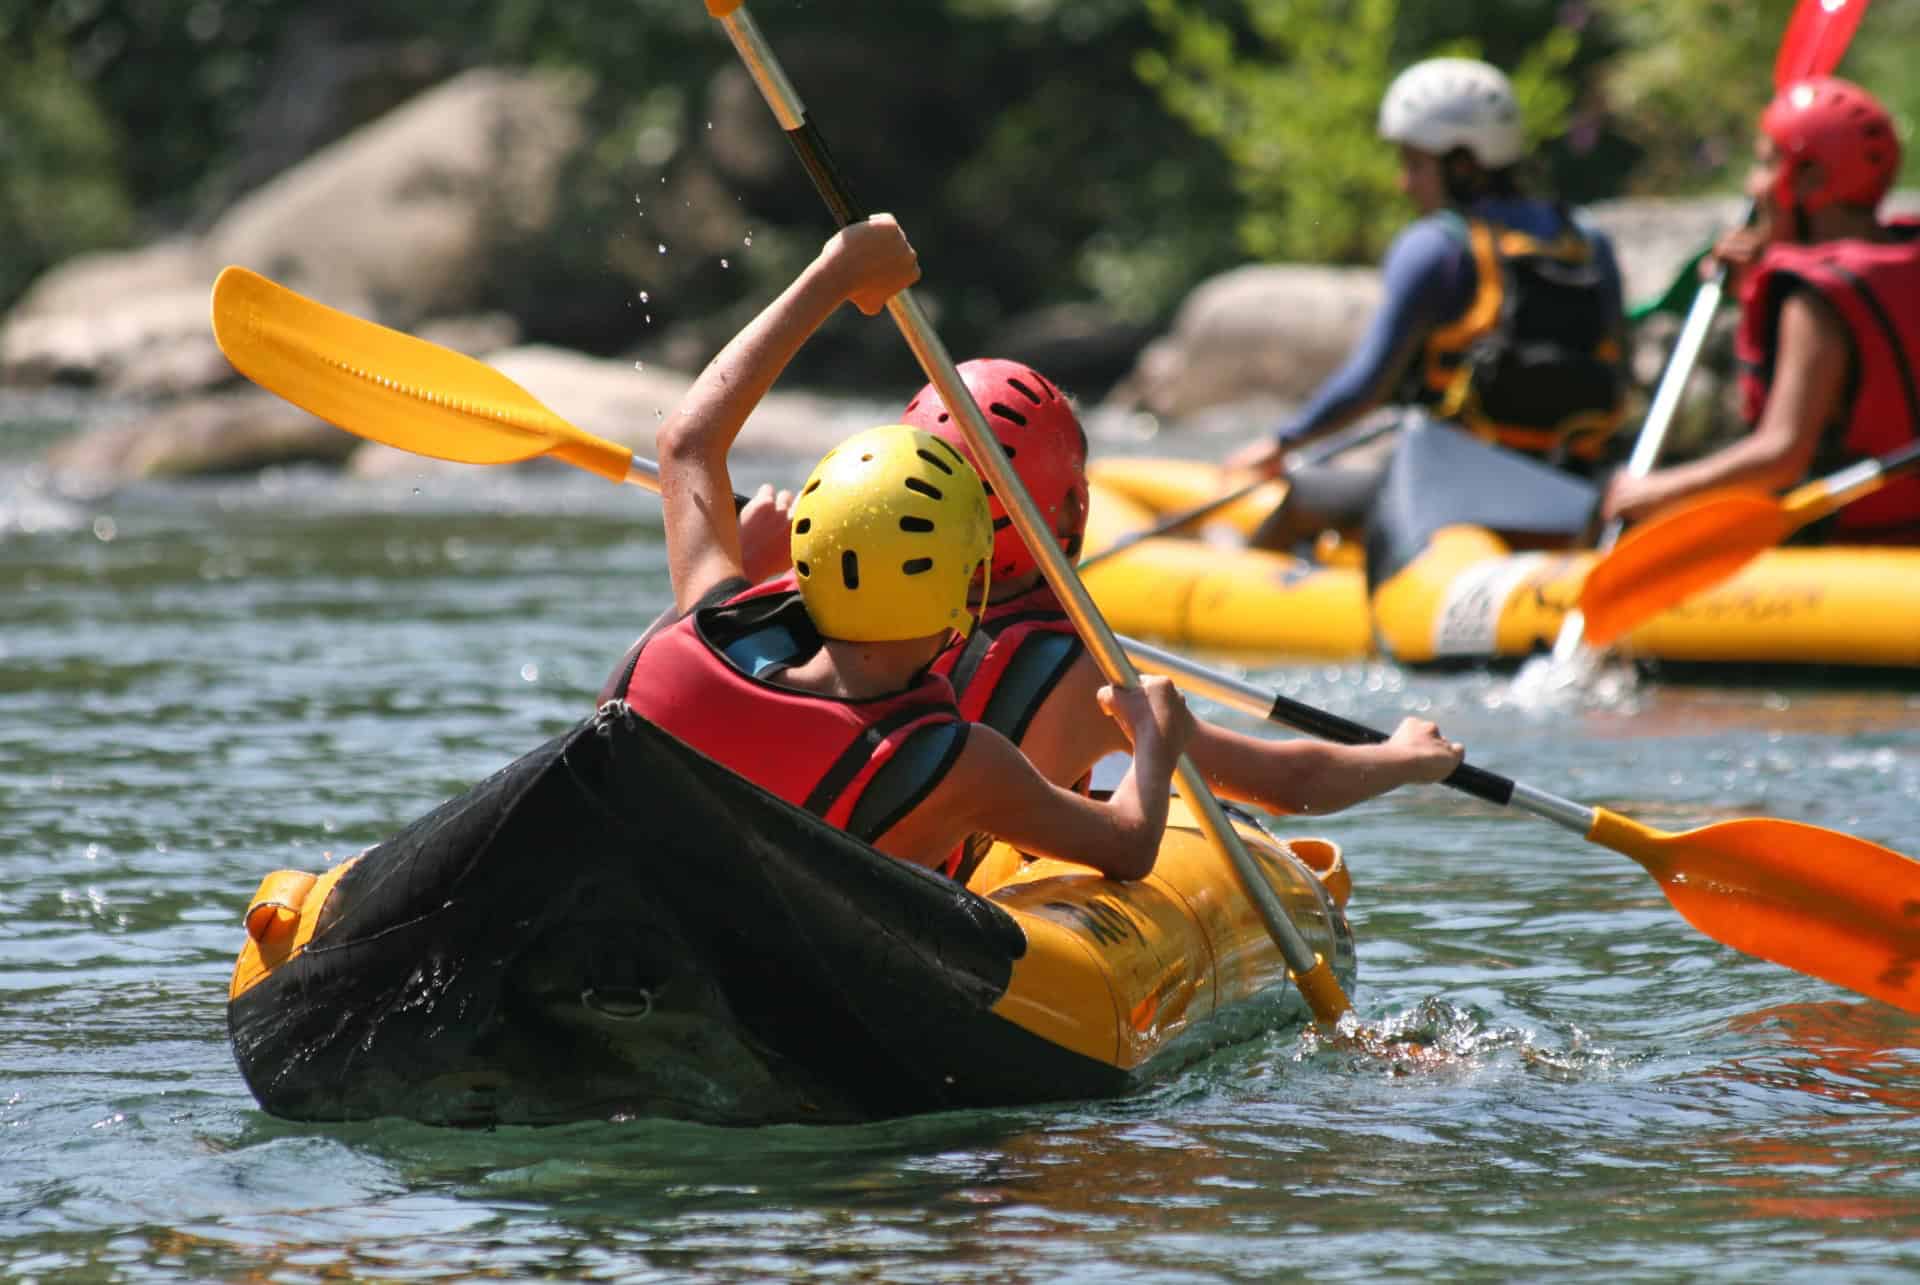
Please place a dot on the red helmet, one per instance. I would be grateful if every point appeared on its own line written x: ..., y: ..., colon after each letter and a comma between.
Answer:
x: 1844, y: 130
x: 1042, y: 437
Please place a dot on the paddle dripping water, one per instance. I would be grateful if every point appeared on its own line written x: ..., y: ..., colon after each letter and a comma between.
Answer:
x: 278, y: 671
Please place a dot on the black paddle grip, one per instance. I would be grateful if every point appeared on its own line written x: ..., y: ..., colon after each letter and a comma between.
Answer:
x: 1466, y: 778
x: 826, y: 176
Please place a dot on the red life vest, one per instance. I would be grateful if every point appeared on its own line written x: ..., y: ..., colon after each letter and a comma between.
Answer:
x: 1006, y: 669
x: 817, y: 752
x: 1875, y: 288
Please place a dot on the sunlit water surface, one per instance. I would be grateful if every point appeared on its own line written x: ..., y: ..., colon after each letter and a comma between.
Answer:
x: 203, y: 682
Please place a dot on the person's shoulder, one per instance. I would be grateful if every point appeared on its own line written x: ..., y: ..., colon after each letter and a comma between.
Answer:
x: 1434, y: 238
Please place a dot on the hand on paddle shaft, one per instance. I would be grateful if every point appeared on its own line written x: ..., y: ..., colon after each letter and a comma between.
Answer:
x: 1665, y: 561
x: 766, y: 533
x: 1311, y: 973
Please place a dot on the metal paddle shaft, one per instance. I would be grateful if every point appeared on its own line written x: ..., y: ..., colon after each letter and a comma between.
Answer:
x: 1312, y: 973
x: 1653, y: 431
x: 1320, y: 452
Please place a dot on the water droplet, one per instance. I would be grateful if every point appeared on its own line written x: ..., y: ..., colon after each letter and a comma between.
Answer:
x: 749, y: 238
x: 725, y: 264
x: 530, y: 672
x: 104, y: 529
x: 645, y: 297
x: 640, y: 366
x: 663, y: 247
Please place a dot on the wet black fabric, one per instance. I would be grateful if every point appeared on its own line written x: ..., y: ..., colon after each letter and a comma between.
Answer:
x: 614, y: 924
x: 1442, y: 476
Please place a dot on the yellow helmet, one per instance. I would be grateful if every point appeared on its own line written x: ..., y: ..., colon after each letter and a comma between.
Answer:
x: 887, y: 534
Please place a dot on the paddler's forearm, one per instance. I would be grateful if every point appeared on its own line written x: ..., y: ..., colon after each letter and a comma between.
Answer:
x: 716, y: 407
x: 1138, y: 806
x: 1297, y: 777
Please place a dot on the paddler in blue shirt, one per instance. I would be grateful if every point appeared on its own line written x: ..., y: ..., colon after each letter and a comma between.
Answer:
x: 1502, y: 312
x: 818, y: 685
x: 1025, y: 672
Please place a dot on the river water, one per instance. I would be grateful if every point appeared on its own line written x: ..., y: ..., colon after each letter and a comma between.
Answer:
x: 201, y: 682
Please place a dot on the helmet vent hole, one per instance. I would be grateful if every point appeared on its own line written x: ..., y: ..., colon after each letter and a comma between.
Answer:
x: 936, y: 461
x: 812, y: 487
x: 803, y: 526
x: 927, y: 489
x: 915, y: 566
x: 850, y: 569
x: 917, y: 525
x: 1002, y: 523
x: 803, y: 569
x: 867, y: 458
x: 947, y: 446
x: 1024, y: 391
x: 986, y: 487
x: 1005, y: 411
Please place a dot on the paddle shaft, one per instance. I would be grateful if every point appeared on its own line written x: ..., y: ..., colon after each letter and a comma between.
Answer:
x: 1275, y: 708
x: 1653, y: 430
x: 1816, y: 499
x: 1320, y: 452
x: 1311, y: 973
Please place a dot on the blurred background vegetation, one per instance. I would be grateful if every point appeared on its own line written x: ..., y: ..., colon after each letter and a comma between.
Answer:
x: 1103, y: 155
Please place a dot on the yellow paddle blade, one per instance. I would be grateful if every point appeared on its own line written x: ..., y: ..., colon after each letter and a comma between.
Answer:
x: 1666, y: 561
x: 1817, y: 901
x: 390, y: 387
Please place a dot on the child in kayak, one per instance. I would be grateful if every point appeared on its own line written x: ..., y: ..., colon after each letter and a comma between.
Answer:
x: 818, y: 685
x: 1829, y: 337
x: 1025, y: 672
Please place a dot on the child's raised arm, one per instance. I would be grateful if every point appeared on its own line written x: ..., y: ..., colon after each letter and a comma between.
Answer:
x: 867, y: 263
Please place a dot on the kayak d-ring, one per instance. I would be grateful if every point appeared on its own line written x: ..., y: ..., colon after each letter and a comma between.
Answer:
x: 625, y: 1004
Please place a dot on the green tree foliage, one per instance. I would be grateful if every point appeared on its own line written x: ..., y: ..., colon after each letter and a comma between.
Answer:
x: 1689, y: 87
x: 1015, y: 138
x: 62, y: 192
x: 1290, y: 89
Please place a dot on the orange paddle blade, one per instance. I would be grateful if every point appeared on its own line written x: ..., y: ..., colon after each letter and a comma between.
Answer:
x: 1817, y: 901
x: 1665, y: 561
x: 388, y: 386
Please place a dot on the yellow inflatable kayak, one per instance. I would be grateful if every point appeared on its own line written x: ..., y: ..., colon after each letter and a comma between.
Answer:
x: 1467, y: 597
x: 614, y: 925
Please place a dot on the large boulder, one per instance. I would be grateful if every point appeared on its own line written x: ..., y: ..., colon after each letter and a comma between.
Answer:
x: 98, y: 318
x: 232, y: 432
x: 1265, y: 330
x: 405, y: 214
x: 413, y: 217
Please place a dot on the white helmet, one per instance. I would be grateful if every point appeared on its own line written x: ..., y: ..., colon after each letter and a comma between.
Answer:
x: 1444, y: 103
